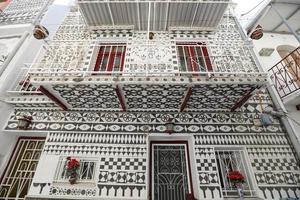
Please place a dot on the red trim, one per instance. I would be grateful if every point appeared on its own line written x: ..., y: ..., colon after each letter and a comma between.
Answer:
x: 114, y: 52
x: 13, y: 156
x: 53, y: 98
x: 99, y: 59
x: 186, y: 99
x: 120, y: 97
x: 242, y: 100
x: 111, y: 58
x: 207, y: 60
x: 123, y: 59
x: 193, y: 59
x: 188, y: 159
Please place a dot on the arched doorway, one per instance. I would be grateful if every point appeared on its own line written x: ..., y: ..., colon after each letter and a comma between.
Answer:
x: 291, y: 61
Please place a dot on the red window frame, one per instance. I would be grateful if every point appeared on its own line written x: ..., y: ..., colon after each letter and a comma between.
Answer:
x: 107, y: 57
x: 193, y: 55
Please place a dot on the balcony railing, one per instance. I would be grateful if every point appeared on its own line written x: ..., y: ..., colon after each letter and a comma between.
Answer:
x: 286, y: 74
x: 22, y: 84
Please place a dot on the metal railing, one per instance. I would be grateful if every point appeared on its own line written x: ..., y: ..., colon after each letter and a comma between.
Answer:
x: 59, y: 72
x: 86, y: 171
x: 22, y: 84
x: 286, y: 74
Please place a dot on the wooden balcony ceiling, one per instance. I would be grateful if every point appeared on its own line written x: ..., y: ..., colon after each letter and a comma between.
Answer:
x: 154, y: 15
x: 151, y: 97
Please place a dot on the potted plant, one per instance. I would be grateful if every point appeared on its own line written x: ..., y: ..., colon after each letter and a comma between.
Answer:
x: 237, y: 179
x: 24, y: 121
x: 72, y: 169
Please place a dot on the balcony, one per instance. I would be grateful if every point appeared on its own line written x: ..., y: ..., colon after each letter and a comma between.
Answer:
x: 286, y: 75
x: 154, y: 15
x: 111, y: 77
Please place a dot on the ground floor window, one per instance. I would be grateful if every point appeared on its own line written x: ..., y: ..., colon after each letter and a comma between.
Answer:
x: 229, y: 160
x: 19, y: 173
x: 86, y: 171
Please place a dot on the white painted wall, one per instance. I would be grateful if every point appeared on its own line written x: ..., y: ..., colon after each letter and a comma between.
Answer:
x: 272, y: 40
x: 25, y: 52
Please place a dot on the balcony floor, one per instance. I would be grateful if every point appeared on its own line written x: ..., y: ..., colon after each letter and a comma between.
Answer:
x: 150, y: 94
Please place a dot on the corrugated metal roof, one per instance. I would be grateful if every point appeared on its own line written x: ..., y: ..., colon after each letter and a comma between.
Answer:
x: 198, y: 14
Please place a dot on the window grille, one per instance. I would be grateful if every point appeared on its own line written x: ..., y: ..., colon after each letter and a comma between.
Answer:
x: 193, y: 57
x: 111, y: 57
x: 20, y: 170
x: 86, y: 170
x: 233, y: 160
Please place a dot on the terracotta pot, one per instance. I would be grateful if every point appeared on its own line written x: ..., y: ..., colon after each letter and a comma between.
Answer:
x: 257, y: 33
x: 40, y: 32
x: 151, y: 35
x: 72, y: 180
x: 24, y: 122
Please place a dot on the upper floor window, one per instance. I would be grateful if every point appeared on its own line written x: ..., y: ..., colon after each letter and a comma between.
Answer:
x: 86, y: 170
x: 193, y: 57
x: 110, y: 57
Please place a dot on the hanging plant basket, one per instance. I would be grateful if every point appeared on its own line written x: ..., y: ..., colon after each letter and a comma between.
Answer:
x: 24, y: 122
x: 40, y: 32
x: 257, y: 33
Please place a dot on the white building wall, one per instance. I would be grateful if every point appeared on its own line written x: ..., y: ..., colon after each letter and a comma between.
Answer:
x: 273, y: 40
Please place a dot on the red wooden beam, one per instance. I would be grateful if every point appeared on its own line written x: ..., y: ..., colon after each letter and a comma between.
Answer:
x: 242, y: 100
x: 53, y: 98
x: 186, y: 99
x: 120, y: 97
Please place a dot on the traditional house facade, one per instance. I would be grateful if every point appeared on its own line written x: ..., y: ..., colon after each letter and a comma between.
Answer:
x: 155, y: 99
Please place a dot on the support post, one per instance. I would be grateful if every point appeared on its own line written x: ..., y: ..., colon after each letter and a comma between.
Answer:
x: 186, y: 99
x: 242, y: 100
x: 120, y: 97
x: 53, y: 98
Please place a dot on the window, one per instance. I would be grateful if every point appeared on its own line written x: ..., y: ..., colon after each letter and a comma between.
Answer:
x: 110, y: 58
x: 86, y: 170
x: 233, y: 160
x: 21, y: 168
x: 193, y: 57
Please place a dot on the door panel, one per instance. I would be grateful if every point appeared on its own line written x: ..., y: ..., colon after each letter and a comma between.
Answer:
x: 170, y: 172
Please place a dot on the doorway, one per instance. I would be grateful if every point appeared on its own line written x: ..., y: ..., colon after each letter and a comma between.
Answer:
x: 170, y: 174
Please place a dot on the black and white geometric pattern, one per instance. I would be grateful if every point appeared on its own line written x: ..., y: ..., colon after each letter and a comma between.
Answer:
x: 283, y: 164
x: 71, y: 191
x: 23, y: 11
x: 89, y: 96
x: 122, y: 177
x: 210, y: 97
x: 152, y: 97
x: 119, y: 164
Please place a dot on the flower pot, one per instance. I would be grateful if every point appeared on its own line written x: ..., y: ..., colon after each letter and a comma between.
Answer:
x: 240, y: 190
x: 24, y: 122
x: 40, y: 32
x: 151, y: 35
x: 72, y: 180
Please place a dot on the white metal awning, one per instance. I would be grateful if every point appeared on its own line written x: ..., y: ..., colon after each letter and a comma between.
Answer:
x: 154, y: 15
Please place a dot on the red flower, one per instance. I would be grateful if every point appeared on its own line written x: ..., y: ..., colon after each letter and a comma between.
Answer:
x: 236, y: 176
x: 72, y: 163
